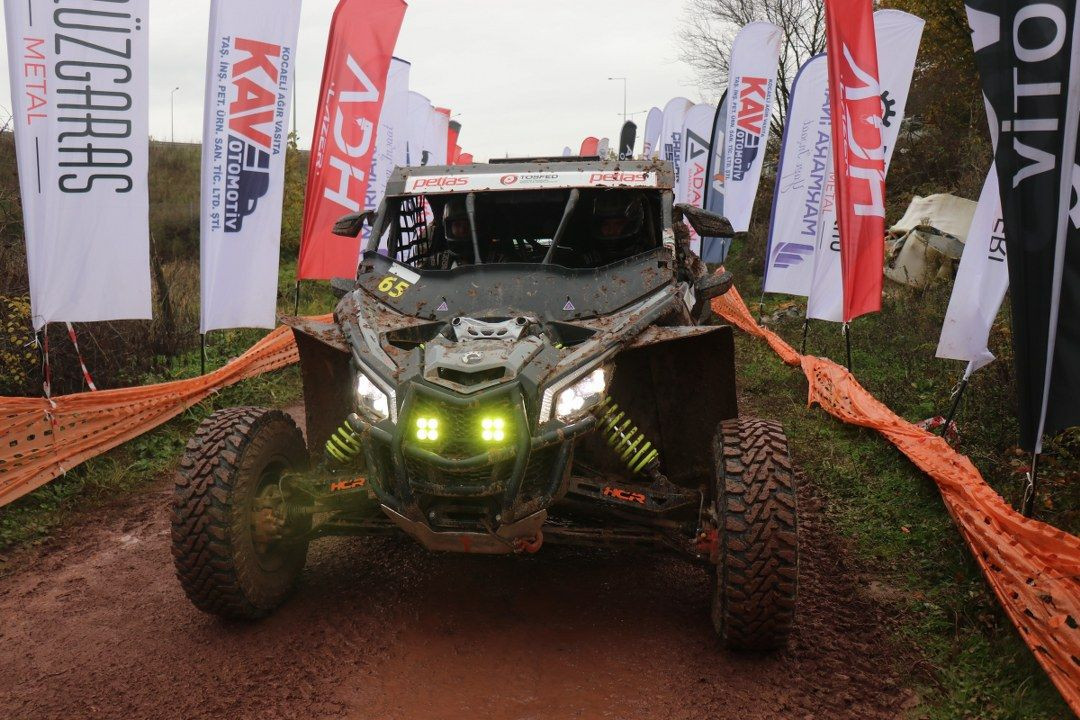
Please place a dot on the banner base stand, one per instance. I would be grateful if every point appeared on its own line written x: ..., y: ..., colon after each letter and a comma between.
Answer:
x: 1031, y: 484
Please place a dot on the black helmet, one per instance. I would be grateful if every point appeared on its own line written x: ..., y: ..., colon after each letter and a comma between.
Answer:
x: 617, y: 216
x: 456, y: 220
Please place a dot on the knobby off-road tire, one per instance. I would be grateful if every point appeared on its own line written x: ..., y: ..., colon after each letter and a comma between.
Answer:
x: 230, y: 466
x: 757, y: 570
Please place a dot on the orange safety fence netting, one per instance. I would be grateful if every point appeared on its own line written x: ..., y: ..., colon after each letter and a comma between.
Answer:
x: 41, y: 439
x: 1033, y: 567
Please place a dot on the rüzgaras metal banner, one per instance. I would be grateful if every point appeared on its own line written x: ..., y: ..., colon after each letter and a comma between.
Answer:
x: 250, y: 73
x: 80, y: 93
x: 1028, y: 57
x: 858, y: 151
x: 362, y: 38
x: 755, y: 56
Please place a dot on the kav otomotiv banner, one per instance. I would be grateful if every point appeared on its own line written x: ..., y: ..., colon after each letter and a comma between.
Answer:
x: 980, y: 284
x: 250, y: 73
x: 362, y: 38
x: 755, y: 56
x: 653, y: 122
x: 858, y: 151
x: 899, y: 36
x: 715, y: 250
x: 80, y: 93
x: 801, y: 177
x: 1028, y: 57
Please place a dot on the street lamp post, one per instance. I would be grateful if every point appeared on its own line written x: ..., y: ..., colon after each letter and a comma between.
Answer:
x: 623, y: 96
x: 172, y: 113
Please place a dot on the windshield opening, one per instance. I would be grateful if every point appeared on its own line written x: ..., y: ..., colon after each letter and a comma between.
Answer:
x: 605, y: 226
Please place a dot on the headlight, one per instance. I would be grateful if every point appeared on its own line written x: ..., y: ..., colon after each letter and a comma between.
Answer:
x: 572, y: 402
x: 372, y: 400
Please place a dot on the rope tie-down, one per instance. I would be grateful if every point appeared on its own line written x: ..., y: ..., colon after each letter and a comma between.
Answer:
x: 1032, y: 567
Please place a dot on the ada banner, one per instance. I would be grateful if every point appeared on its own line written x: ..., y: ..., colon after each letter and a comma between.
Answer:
x: 589, y: 146
x: 899, y: 35
x: 715, y: 250
x: 653, y: 122
x: 250, y: 69
x: 362, y: 38
x: 805, y: 164
x: 980, y: 284
x: 858, y: 151
x: 80, y: 89
x: 755, y: 56
x: 1028, y: 57
x: 696, y: 135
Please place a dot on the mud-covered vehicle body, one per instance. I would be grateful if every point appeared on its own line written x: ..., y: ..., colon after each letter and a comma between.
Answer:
x: 526, y: 361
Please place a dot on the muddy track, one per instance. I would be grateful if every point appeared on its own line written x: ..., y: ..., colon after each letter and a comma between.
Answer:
x: 95, y: 626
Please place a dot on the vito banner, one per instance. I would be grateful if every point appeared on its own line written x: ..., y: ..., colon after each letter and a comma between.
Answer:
x: 79, y: 86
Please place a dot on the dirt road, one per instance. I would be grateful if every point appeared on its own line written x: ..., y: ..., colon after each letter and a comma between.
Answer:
x: 95, y: 626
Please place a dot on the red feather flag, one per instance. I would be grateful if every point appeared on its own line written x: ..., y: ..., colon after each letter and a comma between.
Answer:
x: 858, y: 151
x: 362, y: 38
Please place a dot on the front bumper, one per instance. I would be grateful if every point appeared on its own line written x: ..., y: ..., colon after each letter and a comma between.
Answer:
x: 461, y: 487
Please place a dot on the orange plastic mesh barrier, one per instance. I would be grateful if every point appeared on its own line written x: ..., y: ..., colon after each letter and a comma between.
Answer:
x: 42, y: 439
x: 1033, y: 568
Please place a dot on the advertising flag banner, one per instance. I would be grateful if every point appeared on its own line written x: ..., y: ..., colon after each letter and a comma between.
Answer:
x: 567, y: 152
x: 1028, y: 57
x: 452, y: 147
x: 418, y: 130
x: 858, y: 151
x: 438, y: 132
x: 465, y: 159
x: 589, y: 146
x: 362, y: 38
x: 81, y: 99
x: 627, y: 140
x: 603, y: 146
x: 981, y: 282
x: 671, y: 142
x: 715, y: 250
x: 250, y: 69
x: 801, y: 177
x: 755, y: 57
x: 901, y: 35
x: 390, y: 147
x: 653, y: 123
x: 696, y: 134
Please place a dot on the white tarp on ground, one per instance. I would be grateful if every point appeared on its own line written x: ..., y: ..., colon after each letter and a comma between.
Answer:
x: 86, y: 206
x: 929, y: 240
x: 946, y: 213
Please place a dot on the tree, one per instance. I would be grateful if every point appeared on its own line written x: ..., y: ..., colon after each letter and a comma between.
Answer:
x: 709, y: 27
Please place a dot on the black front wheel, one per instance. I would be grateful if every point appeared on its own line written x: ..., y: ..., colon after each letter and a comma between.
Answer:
x: 235, y: 556
x: 758, y: 561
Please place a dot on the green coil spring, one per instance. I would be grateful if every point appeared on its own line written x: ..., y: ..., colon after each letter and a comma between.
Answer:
x: 343, y: 445
x: 624, y: 437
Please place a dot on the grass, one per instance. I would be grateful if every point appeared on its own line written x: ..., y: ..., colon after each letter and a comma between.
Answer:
x: 970, y: 661
x: 135, y: 464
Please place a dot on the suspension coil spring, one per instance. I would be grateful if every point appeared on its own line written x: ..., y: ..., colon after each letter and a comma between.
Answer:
x: 343, y: 445
x: 620, y: 433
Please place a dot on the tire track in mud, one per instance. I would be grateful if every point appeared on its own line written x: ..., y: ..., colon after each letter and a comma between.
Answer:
x: 94, y: 625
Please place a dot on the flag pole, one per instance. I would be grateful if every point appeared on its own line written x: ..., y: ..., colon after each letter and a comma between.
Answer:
x: 958, y: 394
x: 847, y: 344
x: 805, y: 334
x: 296, y: 299
x: 202, y: 347
x: 1027, y: 507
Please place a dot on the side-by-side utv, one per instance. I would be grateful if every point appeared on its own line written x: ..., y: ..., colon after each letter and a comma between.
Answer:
x: 524, y: 358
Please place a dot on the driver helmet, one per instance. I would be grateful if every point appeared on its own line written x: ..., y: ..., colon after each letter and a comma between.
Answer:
x: 456, y: 220
x: 617, y: 216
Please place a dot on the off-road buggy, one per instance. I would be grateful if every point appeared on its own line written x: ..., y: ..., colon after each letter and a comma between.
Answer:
x: 527, y: 361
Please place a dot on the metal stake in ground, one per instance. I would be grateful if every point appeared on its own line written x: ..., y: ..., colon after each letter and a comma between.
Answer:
x: 1027, y: 505
x: 958, y: 395
x: 805, y: 334
x: 202, y: 348
x: 847, y: 344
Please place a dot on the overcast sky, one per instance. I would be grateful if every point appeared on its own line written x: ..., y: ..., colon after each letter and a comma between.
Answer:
x: 526, y: 76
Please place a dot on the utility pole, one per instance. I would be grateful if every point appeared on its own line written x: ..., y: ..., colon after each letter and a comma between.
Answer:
x: 172, y: 114
x: 623, y: 96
